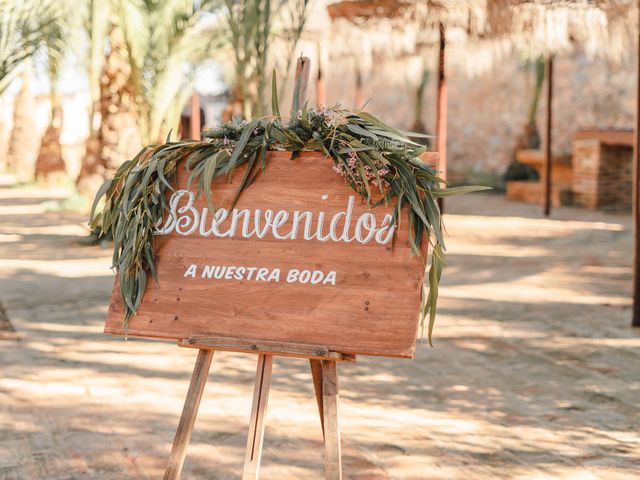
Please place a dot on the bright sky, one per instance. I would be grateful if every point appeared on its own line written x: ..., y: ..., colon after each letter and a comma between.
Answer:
x: 208, y: 79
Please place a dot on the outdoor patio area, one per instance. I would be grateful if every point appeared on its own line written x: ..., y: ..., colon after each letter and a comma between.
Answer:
x: 535, y: 371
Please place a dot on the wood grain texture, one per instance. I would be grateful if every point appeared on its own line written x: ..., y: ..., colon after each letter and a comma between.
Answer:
x: 372, y: 309
x: 303, y: 69
x: 257, y: 422
x: 188, y: 417
x: 316, y: 375
x: 332, y: 449
x: 288, y: 349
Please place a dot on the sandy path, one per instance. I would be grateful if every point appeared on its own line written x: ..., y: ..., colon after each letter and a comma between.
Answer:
x: 535, y: 374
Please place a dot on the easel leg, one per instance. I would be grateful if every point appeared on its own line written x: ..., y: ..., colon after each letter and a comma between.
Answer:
x: 257, y: 422
x: 316, y: 374
x: 188, y: 417
x: 333, y: 457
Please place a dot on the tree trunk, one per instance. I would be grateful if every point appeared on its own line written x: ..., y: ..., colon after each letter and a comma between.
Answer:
x: 4, y: 143
x: 23, y: 143
x: 117, y: 137
x: 50, y: 162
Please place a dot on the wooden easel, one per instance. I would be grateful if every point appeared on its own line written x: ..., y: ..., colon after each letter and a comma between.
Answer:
x: 325, y: 381
x: 324, y: 371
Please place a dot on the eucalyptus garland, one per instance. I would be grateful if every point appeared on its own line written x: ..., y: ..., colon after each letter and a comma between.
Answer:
x: 371, y: 156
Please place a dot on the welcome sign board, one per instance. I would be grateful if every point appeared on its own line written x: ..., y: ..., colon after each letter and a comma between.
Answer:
x: 300, y: 258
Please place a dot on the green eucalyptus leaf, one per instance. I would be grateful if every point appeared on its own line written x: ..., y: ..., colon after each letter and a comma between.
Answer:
x: 450, y: 191
x: 136, y: 196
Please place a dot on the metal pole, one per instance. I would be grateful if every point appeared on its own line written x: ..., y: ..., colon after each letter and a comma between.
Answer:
x: 635, y: 198
x: 195, y: 116
x: 441, y: 111
x: 548, y: 159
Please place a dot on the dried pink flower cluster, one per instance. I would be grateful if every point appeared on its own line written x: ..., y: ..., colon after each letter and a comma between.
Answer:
x: 333, y: 116
x: 352, y: 167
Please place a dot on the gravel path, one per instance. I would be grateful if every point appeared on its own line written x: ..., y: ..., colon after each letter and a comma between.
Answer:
x: 535, y: 371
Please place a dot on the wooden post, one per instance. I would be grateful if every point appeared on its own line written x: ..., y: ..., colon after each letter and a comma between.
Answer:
x: 332, y: 454
x: 635, y: 321
x: 321, y: 98
x: 316, y: 374
x: 320, y: 92
x: 196, y: 128
x: 548, y: 155
x: 441, y: 111
x: 188, y: 417
x: 301, y: 82
x: 257, y: 422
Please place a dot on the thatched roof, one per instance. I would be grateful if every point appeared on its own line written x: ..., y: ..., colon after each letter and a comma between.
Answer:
x: 558, y: 26
x: 468, y: 14
x: 479, y: 32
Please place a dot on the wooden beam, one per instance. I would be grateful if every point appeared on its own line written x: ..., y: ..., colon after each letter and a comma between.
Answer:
x: 316, y: 374
x: 257, y: 422
x: 188, y: 417
x: 286, y: 349
x: 608, y: 137
x: 548, y: 155
x: 321, y: 97
x: 332, y: 449
x: 196, y: 128
x: 635, y: 321
x: 441, y: 110
x: 300, y: 84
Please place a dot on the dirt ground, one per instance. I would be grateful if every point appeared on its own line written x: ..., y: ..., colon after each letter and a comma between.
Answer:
x: 535, y: 371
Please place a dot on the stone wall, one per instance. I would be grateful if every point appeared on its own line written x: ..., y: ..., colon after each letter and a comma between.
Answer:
x: 602, y: 175
x: 486, y: 113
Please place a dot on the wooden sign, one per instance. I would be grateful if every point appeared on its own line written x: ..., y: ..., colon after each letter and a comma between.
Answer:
x: 300, y: 259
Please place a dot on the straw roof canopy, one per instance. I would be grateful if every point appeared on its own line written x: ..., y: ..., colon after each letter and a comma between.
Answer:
x: 479, y: 32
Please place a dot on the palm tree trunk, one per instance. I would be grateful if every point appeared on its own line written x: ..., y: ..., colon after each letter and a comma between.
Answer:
x: 23, y: 143
x: 106, y: 147
x: 50, y: 161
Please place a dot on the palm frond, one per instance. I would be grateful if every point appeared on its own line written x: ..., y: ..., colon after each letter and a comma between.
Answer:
x: 25, y: 27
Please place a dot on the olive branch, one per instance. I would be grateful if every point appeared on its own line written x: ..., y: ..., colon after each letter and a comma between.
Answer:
x: 373, y: 157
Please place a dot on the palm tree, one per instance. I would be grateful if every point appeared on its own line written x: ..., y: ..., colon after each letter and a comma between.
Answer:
x: 152, y: 49
x: 50, y: 159
x: 23, y: 144
x: 252, y: 27
x: 107, y: 145
x: 108, y: 68
x: 24, y: 27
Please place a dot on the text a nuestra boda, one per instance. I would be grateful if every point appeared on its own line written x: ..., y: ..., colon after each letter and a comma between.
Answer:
x: 186, y: 220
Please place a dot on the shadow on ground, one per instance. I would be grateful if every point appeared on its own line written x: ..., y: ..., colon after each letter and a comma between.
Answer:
x: 534, y: 373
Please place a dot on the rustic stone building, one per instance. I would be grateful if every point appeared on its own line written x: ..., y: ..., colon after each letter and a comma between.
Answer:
x: 487, y: 112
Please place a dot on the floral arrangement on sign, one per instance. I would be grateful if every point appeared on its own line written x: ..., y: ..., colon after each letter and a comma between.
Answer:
x: 370, y: 155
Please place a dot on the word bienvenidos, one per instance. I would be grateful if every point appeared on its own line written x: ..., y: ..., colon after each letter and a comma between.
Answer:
x: 184, y: 219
